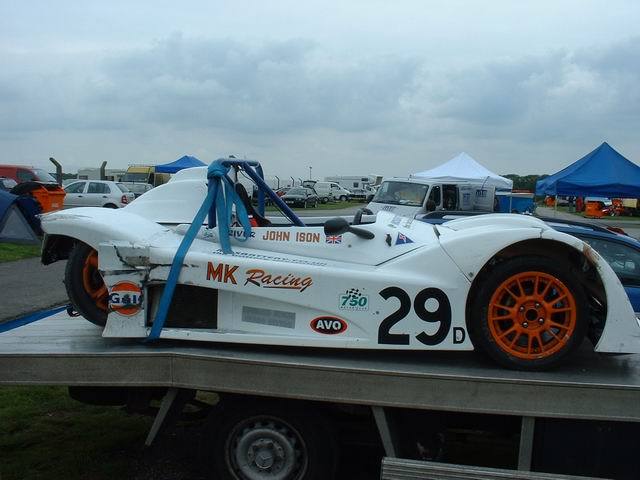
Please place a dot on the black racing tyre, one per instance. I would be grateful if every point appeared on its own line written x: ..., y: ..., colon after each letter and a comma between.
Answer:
x: 84, y: 284
x: 266, y: 441
x: 529, y: 313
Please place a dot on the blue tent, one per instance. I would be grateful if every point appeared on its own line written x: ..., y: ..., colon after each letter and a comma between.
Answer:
x: 601, y: 173
x: 18, y: 220
x: 177, y: 165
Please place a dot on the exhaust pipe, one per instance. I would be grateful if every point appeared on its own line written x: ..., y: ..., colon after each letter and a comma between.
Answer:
x: 58, y: 170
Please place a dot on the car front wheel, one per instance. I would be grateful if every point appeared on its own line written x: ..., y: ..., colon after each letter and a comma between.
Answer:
x: 530, y: 313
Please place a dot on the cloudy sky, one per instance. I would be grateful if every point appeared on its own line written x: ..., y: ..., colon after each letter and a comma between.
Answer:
x: 347, y: 87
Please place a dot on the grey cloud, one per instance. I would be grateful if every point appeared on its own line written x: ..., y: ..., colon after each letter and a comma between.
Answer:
x: 294, y: 86
x: 278, y: 87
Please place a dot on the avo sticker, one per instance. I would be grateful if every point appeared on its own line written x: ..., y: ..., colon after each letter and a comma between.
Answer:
x: 329, y: 325
x: 125, y: 298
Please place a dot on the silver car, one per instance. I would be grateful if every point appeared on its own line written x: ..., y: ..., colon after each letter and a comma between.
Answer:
x: 97, y: 193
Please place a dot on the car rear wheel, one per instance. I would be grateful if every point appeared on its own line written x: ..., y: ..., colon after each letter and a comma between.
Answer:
x: 531, y: 313
x: 84, y: 284
x: 343, y: 198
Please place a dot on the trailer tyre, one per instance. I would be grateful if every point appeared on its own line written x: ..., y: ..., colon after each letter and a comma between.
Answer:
x: 268, y: 442
x: 84, y: 284
x: 530, y: 313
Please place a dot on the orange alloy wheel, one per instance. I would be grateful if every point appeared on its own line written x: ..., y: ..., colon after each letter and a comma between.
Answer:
x: 532, y: 315
x: 93, y: 282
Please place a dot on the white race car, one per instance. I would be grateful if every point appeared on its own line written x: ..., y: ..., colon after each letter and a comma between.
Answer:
x: 507, y: 284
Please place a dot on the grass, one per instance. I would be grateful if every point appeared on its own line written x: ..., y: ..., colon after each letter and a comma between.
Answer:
x: 14, y: 251
x: 44, y: 434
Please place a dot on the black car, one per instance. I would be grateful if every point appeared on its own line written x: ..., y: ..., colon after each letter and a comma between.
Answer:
x: 301, y: 196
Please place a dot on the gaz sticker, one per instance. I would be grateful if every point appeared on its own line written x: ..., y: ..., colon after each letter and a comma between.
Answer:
x: 125, y: 298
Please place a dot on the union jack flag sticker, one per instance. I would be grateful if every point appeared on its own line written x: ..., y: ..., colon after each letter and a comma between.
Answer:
x: 403, y: 239
x: 334, y: 239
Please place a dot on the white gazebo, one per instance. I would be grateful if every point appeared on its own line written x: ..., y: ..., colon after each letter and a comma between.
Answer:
x: 463, y: 168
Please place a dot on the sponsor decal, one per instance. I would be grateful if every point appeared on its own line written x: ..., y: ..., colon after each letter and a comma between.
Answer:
x: 261, y: 278
x: 276, y: 236
x: 403, y: 239
x: 125, y: 298
x: 329, y: 325
x: 307, y: 237
x: 265, y: 316
x: 221, y: 272
x: 239, y: 233
x: 259, y: 256
x: 353, y: 299
x: 334, y: 239
x: 388, y: 208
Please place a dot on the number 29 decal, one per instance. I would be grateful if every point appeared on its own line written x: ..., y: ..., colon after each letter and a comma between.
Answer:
x: 441, y: 315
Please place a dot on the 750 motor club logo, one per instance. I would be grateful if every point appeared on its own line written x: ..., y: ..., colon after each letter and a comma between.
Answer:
x: 125, y: 298
x: 354, y: 299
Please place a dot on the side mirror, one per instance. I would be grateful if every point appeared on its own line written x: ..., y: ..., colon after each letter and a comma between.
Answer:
x: 338, y: 226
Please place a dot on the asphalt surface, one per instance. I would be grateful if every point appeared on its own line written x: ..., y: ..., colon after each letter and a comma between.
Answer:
x: 27, y: 286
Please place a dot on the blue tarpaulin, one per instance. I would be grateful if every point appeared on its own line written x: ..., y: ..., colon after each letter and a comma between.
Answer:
x: 177, y: 165
x: 601, y: 173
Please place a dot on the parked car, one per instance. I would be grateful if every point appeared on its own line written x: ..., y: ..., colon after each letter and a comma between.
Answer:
x: 331, y: 191
x: 36, y: 182
x: 137, y: 188
x: 301, y: 196
x: 621, y: 251
x: 7, y: 184
x: 97, y: 193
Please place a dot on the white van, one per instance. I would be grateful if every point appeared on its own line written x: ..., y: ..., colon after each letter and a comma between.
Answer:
x: 331, y: 191
x: 410, y: 197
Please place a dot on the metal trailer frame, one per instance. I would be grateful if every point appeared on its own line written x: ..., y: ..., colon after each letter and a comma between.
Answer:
x: 61, y: 350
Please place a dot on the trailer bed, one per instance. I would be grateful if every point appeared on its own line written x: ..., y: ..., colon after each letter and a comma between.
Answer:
x: 63, y: 350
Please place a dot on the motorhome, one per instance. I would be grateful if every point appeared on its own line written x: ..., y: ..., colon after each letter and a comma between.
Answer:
x: 412, y: 196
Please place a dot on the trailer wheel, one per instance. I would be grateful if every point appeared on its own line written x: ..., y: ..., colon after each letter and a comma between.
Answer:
x: 84, y: 284
x: 270, y: 442
x: 531, y: 313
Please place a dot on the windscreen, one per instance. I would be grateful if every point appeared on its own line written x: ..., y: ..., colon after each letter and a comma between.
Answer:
x: 401, y: 193
x: 135, y: 177
x: 43, y: 176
